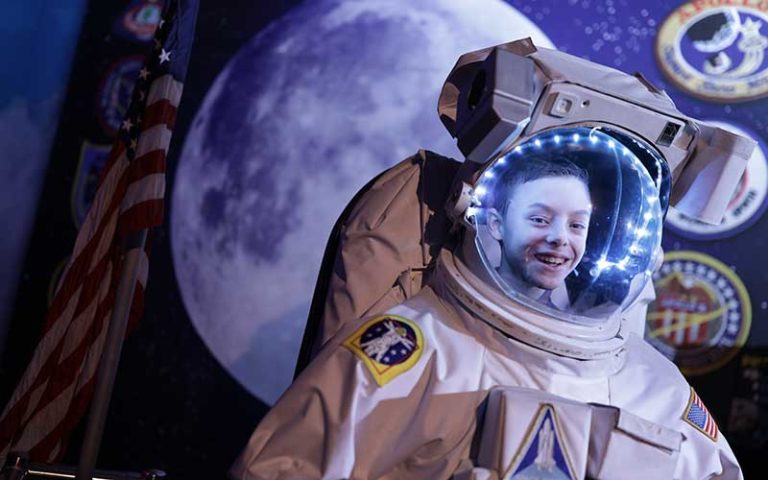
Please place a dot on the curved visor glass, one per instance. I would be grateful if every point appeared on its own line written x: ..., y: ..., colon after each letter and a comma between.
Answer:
x: 570, y: 220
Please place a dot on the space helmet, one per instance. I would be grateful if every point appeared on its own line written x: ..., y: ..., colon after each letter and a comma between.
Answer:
x: 570, y: 169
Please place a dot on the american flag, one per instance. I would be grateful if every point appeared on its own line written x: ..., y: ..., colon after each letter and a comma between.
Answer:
x: 697, y: 415
x: 57, y: 385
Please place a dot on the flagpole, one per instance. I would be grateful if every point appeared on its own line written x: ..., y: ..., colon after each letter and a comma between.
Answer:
x: 110, y: 357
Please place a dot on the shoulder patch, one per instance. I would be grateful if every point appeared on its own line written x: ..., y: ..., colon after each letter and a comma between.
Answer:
x: 388, y: 345
x: 697, y: 416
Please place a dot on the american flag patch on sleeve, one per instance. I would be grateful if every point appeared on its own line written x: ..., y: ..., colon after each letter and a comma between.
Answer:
x: 697, y: 415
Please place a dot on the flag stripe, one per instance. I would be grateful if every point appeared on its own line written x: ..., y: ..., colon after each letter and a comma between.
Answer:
x: 165, y: 88
x: 50, y: 427
x: 56, y: 387
x: 52, y: 364
x: 100, y: 206
x: 76, y: 270
x: 148, y: 164
x: 161, y: 112
x: 150, y: 212
x: 92, y: 284
x: 114, y: 175
x: 46, y: 418
x: 44, y: 350
x: 49, y: 365
x: 47, y: 360
x: 83, y: 320
x: 150, y: 187
x: 151, y: 163
x: 67, y: 368
x: 87, y: 333
x: 102, y: 245
x: 156, y: 138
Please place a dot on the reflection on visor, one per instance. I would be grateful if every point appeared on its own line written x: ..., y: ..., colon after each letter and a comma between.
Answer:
x: 571, y: 220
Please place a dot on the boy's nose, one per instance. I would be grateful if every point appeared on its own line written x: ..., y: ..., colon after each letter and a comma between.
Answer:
x: 557, y: 234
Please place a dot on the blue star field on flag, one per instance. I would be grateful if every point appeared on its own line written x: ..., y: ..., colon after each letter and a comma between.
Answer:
x: 169, y: 55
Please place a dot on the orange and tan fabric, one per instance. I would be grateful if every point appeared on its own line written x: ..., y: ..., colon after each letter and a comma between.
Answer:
x: 388, y: 242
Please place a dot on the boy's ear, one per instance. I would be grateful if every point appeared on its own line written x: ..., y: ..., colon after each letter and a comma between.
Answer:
x: 495, y: 224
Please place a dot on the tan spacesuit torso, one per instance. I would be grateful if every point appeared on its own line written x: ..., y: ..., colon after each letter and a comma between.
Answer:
x: 471, y: 377
x: 352, y: 415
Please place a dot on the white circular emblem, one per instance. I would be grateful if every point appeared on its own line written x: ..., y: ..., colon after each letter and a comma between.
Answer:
x: 746, y: 206
x: 715, y: 50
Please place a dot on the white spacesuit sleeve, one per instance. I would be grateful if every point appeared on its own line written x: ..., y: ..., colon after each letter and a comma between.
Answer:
x: 308, y: 432
x: 701, y: 458
x: 705, y: 452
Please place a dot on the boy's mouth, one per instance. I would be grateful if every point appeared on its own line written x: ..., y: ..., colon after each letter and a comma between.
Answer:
x: 551, y: 260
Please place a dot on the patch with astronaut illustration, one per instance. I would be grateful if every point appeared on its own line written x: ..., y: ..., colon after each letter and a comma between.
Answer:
x: 388, y: 345
x: 702, y: 314
x: 716, y: 50
x: 543, y: 453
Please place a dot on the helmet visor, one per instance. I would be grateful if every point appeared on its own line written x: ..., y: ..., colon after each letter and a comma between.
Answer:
x: 569, y: 221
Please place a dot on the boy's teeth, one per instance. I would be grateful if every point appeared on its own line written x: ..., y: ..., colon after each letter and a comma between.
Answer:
x: 551, y: 260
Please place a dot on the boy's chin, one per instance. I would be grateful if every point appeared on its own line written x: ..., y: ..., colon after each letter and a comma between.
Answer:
x: 548, y: 284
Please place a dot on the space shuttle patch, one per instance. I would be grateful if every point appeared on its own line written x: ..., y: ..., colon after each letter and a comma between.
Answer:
x: 542, y: 453
x: 697, y: 416
x: 388, y: 345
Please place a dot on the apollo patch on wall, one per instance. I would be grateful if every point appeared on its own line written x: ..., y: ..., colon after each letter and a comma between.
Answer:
x: 715, y: 50
x: 702, y: 313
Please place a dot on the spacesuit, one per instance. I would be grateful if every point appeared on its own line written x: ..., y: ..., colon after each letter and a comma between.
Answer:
x: 336, y: 421
x: 522, y: 355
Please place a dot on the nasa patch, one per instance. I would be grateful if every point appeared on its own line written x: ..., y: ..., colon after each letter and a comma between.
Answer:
x: 702, y: 313
x: 746, y: 206
x: 697, y: 416
x: 115, y: 91
x: 715, y: 50
x: 388, y: 345
x: 93, y: 157
x: 542, y: 453
x: 139, y: 20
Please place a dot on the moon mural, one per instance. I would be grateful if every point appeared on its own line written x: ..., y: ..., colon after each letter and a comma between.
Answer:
x: 305, y: 114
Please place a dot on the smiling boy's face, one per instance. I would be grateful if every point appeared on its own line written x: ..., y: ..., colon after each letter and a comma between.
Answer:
x: 543, y: 232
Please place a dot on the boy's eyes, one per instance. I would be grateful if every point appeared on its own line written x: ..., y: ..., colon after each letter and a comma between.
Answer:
x: 542, y: 220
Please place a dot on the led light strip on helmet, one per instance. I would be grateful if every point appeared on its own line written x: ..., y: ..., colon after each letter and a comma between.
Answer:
x: 485, y: 184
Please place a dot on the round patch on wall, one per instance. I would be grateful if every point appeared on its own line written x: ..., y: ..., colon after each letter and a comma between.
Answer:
x: 702, y: 313
x: 114, y: 96
x: 716, y: 51
x: 139, y: 20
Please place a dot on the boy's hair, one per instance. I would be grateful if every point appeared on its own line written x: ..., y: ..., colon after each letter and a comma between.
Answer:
x: 534, y: 167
